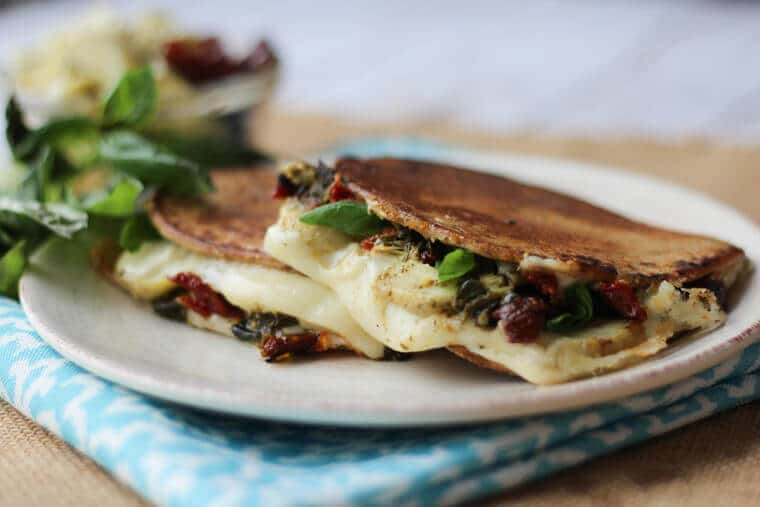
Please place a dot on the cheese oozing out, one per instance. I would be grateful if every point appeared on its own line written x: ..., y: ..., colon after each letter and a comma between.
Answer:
x: 253, y: 288
x: 399, y: 302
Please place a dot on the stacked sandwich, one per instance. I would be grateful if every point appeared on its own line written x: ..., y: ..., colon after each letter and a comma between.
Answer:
x: 389, y: 257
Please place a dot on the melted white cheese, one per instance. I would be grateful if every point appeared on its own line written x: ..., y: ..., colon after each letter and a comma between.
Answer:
x: 378, y: 289
x: 146, y: 272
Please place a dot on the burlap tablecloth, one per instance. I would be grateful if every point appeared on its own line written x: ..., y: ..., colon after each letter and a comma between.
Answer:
x: 716, y: 461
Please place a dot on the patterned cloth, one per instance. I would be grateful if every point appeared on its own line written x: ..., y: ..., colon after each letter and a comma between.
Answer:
x: 175, y: 456
x: 179, y: 457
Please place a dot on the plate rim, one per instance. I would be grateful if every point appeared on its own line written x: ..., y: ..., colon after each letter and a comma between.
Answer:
x: 596, y: 390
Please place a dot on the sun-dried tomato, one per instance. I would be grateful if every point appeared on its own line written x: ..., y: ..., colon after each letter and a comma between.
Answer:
x: 204, y: 300
x: 522, y: 318
x: 545, y: 283
x: 285, y: 188
x: 340, y: 192
x: 622, y: 298
x: 273, y: 346
x: 202, y: 60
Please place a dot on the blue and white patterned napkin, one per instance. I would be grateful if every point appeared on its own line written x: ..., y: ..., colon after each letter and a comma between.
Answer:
x: 178, y: 457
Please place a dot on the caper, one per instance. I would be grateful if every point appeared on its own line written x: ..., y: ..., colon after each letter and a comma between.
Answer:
x: 242, y: 332
x: 467, y: 291
x: 168, y: 307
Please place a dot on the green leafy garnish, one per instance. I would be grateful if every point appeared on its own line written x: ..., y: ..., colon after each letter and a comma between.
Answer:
x: 578, y: 299
x: 119, y: 201
x: 211, y: 152
x: 76, y: 156
x: 12, y: 265
x: 60, y: 219
x: 15, y: 128
x: 135, y: 231
x: 455, y: 265
x: 133, y: 99
x: 140, y: 158
x: 350, y: 217
x: 56, y: 134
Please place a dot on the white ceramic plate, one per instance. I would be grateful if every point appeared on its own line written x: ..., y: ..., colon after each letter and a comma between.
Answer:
x: 103, y: 330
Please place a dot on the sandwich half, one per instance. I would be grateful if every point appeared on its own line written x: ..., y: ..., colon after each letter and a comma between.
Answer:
x: 509, y: 276
x: 210, y: 271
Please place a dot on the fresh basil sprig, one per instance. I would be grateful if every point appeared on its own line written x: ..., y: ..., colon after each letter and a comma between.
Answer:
x: 124, y: 148
x: 119, y: 201
x: 581, y: 310
x: 133, y: 100
x: 135, y: 231
x: 12, y: 265
x: 133, y: 154
x: 210, y: 152
x: 455, y: 265
x: 350, y: 217
x: 61, y: 219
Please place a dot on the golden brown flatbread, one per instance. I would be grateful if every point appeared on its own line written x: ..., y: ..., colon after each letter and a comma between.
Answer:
x: 229, y: 223
x: 502, y: 219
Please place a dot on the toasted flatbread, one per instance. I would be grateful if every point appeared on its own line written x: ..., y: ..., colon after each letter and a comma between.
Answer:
x: 502, y: 219
x: 400, y: 300
x: 218, y: 238
x: 229, y: 223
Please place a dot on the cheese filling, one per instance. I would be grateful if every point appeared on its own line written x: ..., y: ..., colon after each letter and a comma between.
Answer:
x: 399, y: 302
x: 146, y: 272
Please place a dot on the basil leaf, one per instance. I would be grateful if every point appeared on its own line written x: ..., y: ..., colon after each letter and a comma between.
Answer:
x: 25, y: 143
x: 12, y: 265
x: 62, y: 132
x: 133, y: 99
x: 61, y: 219
x: 39, y: 172
x: 135, y: 231
x: 349, y: 217
x: 578, y: 299
x: 216, y: 152
x: 455, y: 265
x: 138, y: 157
x: 16, y: 131
x: 119, y: 201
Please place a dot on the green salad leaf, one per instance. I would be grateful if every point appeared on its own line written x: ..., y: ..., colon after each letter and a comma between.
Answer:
x: 12, y: 265
x: 135, y: 231
x: 68, y: 156
x: 455, y: 265
x: 16, y: 131
x: 144, y: 160
x: 215, y: 152
x: 350, y: 217
x: 119, y: 201
x: 578, y: 300
x: 133, y: 99
x: 57, y: 134
x: 60, y: 219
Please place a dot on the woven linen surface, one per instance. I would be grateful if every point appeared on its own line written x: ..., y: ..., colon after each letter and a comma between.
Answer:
x: 176, y: 456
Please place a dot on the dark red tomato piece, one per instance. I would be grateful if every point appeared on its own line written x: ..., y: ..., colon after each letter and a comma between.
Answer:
x: 545, y: 283
x: 273, y: 347
x: 203, y: 60
x: 522, y: 318
x: 204, y: 300
x: 622, y: 298
x: 340, y: 192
